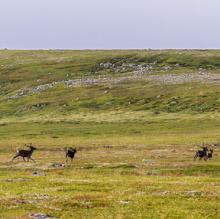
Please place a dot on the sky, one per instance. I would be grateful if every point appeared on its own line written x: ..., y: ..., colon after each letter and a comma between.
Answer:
x: 109, y: 24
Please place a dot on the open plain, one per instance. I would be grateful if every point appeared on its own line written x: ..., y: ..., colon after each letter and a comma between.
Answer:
x: 136, y: 118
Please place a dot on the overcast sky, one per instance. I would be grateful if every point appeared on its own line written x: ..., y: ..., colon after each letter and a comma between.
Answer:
x: 109, y: 24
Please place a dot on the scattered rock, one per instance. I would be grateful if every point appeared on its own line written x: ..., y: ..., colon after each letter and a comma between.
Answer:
x: 41, y: 216
x: 22, y: 201
x: 124, y: 202
x: 173, y: 102
x: 137, y: 72
x: 193, y: 193
x: 185, y: 78
x: 127, y: 67
x: 148, y: 161
x: 166, y: 68
x: 57, y: 165
x: 36, y: 173
x: 153, y: 173
x: 163, y: 193
x: 41, y: 197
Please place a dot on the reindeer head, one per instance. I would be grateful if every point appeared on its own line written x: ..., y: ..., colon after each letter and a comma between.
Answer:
x: 31, y: 147
x: 72, y: 149
x: 205, y: 149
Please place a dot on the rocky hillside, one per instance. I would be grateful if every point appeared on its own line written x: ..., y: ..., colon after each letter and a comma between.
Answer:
x: 36, y: 83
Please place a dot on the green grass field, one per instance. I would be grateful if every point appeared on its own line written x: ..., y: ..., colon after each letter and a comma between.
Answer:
x: 135, y: 136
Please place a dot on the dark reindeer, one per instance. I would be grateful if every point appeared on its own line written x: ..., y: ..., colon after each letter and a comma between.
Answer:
x: 25, y: 153
x: 209, y: 155
x: 201, y: 154
x: 70, y: 153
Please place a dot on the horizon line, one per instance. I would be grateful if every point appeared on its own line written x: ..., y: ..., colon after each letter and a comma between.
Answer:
x: 102, y: 49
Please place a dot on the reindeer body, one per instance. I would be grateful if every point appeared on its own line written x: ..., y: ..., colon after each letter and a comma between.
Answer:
x: 25, y: 153
x: 70, y: 152
x: 201, y: 154
x: 209, y: 155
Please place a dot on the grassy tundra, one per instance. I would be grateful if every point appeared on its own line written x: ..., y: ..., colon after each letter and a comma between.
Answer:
x: 136, y: 119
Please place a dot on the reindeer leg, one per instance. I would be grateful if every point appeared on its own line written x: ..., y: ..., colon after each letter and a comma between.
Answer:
x: 24, y: 159
x: 32, y: 159
x: 195, y: 157
x: 15, y: 157
x: 66, y: 158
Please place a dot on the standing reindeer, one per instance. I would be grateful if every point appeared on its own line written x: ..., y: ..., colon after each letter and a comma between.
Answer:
x: 25, y: 153
x: 209, y: 155
x: 70, y: 152
x: 201, y: 154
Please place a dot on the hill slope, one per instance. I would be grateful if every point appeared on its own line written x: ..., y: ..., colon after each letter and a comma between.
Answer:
x: 156, y: 87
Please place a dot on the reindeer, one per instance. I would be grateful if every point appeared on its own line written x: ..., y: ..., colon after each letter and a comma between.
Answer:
x: 70, y: 152
x: 201, y: 154
x: 25, y: 153
x: 209, y: 155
